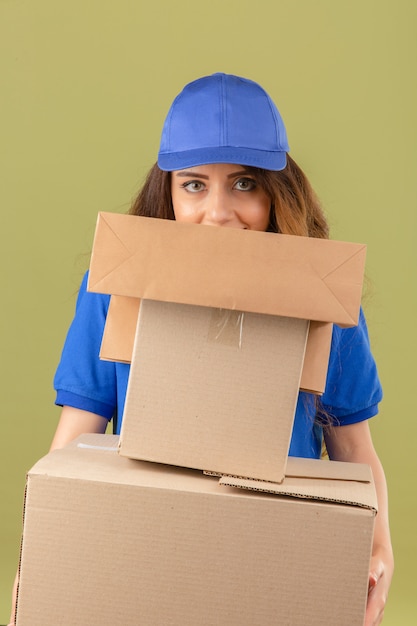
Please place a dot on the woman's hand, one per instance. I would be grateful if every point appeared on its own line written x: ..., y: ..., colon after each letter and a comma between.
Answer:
x: 380, y: 575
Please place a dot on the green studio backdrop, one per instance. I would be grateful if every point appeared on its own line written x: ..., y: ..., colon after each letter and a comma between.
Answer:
x: 85, y: 87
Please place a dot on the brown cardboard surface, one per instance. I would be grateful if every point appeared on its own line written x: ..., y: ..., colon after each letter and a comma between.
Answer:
x: 316, y: 357
x: 108, y: 540
x: 317, y: 469
x: 327, y: 490
x: 120, y: 328
x: 229, y: 268
x: 212, y: 389
x: 119, y: 335
x: 334, y: 470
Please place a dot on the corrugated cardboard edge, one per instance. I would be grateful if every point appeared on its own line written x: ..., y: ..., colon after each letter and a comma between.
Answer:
x: 300, y: 467
x: 327, y: 481
x: 120, y: 328
x: 19, y: 567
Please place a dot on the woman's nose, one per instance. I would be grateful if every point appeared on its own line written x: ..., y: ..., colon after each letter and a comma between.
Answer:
x: 218, y: 209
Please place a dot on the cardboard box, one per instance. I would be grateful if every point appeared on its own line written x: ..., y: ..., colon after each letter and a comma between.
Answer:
x: 213, y: 390
x: 315, y: 279
x: 229, y: 268
x: 109, y: 540
x: 120, y: 329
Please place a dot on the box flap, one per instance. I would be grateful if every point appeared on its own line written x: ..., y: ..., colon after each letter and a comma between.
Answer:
x: 314, y: 279
x: 327, y: 481
x: 334, y: 470
x: 316, y: 357
x: 317, y: 468
x: 96, y: 441
x: 95, y: 458
x: 120, y: 329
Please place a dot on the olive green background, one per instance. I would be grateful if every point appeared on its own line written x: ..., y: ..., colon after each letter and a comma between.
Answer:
x: 84, y: 90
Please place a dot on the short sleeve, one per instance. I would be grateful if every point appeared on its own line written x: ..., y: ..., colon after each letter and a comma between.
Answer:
x: 82, y: 380
x: 353, y: 389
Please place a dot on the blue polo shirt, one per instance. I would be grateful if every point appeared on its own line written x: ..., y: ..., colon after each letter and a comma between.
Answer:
x: 84, y: 381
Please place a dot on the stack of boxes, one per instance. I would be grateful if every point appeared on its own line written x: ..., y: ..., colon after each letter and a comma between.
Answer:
x: 196, y: 514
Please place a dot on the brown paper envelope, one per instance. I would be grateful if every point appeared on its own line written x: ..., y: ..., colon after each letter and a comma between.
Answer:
x: 303, y: 277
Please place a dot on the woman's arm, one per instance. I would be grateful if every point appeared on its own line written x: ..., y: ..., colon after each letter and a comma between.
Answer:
x: 353, y: 443
x: 72, y: 422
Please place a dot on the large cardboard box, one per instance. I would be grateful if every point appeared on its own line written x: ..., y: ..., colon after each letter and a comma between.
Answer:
x: 109, y: 540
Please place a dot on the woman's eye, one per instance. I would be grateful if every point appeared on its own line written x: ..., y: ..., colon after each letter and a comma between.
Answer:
x: 193, y: 186
x: 245, y: 184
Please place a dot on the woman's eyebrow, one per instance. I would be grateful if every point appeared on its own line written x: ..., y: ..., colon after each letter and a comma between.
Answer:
x: 188, y: 173
x: 239, y: 173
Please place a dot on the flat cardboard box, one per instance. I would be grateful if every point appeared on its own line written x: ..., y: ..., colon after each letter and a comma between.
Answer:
x: 315, y: 279
x: 108, y: 540
x: 229, y: 268
x: 213, y: 390
x: 120, y: 329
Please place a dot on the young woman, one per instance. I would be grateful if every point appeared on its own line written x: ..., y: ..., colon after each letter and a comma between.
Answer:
x: 224, y: 161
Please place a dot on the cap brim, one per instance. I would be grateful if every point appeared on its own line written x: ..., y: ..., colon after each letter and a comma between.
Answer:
x: 172, y: 161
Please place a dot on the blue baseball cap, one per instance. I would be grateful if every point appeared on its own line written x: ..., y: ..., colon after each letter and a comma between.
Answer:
x: 223, y: 119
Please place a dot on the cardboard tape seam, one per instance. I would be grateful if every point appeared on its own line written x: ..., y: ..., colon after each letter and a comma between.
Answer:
x: 226, y: 327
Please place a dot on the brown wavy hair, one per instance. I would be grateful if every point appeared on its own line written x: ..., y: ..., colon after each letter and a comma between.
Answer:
x: 295, y: 208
